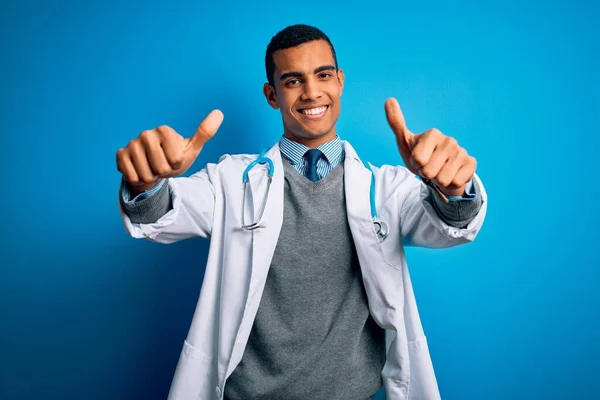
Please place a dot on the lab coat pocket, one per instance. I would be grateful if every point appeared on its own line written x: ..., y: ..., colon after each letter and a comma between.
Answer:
x: 422, y: 384
x: 390, y: 248
x: 383, y: 281
x: 191, y: 374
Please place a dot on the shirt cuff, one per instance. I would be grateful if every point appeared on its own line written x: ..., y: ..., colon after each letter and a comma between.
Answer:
x: 144, y: 195
x: 469, y: 195
x: 148, y: 209
x: 457, y: 213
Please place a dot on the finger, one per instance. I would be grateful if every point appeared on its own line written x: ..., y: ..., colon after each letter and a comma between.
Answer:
x: 434, y: 165
x: 465, y: 173
x: 125, y: 166
x: 446, y: 175
x: 155, y: 154
x: 424, y: 148
x: 173, y: 146
x: 206, y: 130
x: 446, y: 147
x: 396, y: 120
x: 140, y: 162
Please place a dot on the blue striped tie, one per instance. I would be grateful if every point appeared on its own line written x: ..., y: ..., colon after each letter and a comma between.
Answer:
x: 312, y: 156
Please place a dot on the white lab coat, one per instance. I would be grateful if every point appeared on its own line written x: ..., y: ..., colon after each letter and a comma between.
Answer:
x: 208, y: 204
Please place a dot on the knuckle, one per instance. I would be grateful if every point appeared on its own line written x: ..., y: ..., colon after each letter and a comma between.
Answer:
x: 162, y: 130
x: 163, y: 170
x: 443, y: 181
x: 176, y: 159
x: 147, y: 136
x: 176, y: 164
x: 165, y: 131
x: 427, y: 173
x: 132, y: 179
x: 435, y: 132
x: 456, y: 182
x: 134, y: 145
x: 120, y: 155
x: 418, y: 159
x: 451, y: 142
x: 147, y: 178
x: 472, y: 161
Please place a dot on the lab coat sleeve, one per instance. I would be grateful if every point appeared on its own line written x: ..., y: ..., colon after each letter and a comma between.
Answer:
x: 191, y: 211
x: 424, y: 224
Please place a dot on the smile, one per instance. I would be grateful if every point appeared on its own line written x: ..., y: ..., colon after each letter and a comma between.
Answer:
x: 313, y: 113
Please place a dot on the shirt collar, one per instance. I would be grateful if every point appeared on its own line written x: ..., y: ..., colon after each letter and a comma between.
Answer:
x: 294, y: 151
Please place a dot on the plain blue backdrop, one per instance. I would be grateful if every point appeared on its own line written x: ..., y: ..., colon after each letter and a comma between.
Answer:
x: 89, y: 313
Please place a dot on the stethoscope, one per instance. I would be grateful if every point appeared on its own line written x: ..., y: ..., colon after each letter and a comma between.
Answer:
x: 381, y: 228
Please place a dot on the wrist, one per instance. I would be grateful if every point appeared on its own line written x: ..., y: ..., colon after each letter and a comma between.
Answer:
x: 460, y: 192
x: 134, y: 190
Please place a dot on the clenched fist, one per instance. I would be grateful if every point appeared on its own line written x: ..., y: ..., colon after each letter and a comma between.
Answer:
x: 432, y: 155
x: 163, y: 153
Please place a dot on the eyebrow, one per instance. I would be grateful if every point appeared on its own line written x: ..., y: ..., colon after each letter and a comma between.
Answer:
x: 300, y: 74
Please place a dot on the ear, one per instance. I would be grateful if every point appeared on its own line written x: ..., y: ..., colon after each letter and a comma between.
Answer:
x: 270, y: 95
x: 340, y: 75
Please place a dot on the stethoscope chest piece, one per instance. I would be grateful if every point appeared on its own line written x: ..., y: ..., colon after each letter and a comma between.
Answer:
x: 381, y: 229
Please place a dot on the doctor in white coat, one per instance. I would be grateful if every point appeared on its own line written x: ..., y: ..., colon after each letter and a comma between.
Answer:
x: 436, y: 200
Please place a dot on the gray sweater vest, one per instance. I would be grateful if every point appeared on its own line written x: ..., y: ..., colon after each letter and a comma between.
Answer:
x: 313, y: 337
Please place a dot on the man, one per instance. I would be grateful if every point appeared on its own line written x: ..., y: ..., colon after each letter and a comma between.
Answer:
x: 313, y: 303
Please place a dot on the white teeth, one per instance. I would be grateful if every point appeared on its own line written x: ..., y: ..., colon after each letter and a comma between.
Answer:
x: 314, y: 111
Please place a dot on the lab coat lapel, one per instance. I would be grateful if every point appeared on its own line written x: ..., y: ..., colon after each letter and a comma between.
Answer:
x: 263, y: 242
x: 264, y: 239
x: 357, y: 183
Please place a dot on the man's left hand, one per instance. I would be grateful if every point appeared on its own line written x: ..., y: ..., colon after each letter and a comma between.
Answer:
x: 431, y: 154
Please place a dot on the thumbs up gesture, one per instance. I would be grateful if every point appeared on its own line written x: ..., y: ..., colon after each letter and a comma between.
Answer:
x: 163, y: 153
x: 431, y: 155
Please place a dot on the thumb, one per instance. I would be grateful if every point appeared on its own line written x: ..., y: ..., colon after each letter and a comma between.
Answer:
x: 206, y: 130
x: 395, y: 118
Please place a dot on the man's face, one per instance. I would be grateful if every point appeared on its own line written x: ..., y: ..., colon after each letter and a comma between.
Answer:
x: 307, y: 91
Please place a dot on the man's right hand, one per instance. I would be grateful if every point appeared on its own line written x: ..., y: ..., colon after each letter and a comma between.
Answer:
x: 163, y: 153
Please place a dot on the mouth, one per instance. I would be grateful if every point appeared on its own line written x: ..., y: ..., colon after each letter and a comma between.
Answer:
x: 313, y: 112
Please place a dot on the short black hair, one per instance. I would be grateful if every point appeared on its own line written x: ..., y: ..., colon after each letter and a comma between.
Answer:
x: 292, y: 36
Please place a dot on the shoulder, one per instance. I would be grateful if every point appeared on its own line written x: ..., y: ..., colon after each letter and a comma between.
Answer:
x: 390, y: 173
x: 395, y: 179
x: 236, y: 160
x: 226, y: 166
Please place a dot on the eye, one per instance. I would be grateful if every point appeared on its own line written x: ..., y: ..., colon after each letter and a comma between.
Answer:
x: 325, y: 75
x: 292, y: 82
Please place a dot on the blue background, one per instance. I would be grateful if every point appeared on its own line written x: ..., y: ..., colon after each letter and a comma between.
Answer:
x: 89, y: 313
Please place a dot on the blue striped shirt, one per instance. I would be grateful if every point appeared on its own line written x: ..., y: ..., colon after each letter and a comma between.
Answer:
x: 293, y: 152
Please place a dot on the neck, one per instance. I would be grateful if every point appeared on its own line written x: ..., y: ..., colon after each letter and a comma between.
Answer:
x: 311, y: 142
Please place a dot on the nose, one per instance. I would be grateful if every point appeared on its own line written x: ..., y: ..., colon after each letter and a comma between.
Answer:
x: 312, y: 90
